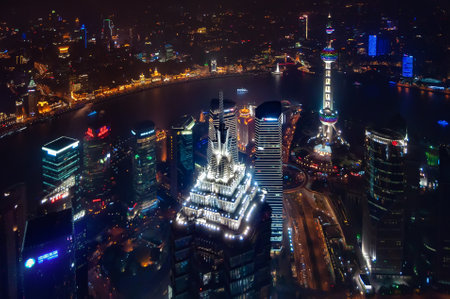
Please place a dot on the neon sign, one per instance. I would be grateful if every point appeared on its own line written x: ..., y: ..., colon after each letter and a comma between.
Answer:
x: 59, y: 196
x: 103, y: 131
x: 48, y: 256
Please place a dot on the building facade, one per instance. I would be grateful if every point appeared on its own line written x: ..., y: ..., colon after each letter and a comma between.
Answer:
x: 96, y: 172
x: 221, y: 235
x: 144, y: 164
x: 384, y: 218
x: 60, y: 161
x: 268, y: 163
x: 48, y: 257
x: 181, y: 155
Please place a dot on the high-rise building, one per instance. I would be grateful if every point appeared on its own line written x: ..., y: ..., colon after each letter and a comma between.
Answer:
x: 213, y: 66
x: 230, y: 119
x: 20, y: 111
x: 13, y: 216
x: 407, y: 66
x: 32, y: 98
x: 48, y: 257
x: 221, y: 235
x: 246, y: 129
x: 268, y: 163
x: 383, y: 221
x: 96, y: 172
x: 181, y: 155
x: 442, y: 261
x: 60, y: 160
x: 144, y: 164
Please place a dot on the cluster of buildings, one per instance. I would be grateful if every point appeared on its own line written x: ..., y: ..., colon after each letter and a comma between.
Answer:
x: 229, y: 218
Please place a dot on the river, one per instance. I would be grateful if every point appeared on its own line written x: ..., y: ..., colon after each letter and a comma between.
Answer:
x: 373, y: 102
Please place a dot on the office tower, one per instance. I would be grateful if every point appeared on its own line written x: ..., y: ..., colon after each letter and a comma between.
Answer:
x: 96, y: 173
x: 13, y: 216
x: 144, y: 164
x: 246, y: 129
x: 407, y: 66
x: 48, y: 258
x: 213, y: 66
x: 60, y: 160
x: 161, y: 145
x: 20, y: 111
x: 268, y: 163
x: 32, y: 98
x: 378, y: 45
x: 442, y: 261
x: 181, y: 155
x: 221, y: 235
x: 230, y: 119
x: 383, y: 221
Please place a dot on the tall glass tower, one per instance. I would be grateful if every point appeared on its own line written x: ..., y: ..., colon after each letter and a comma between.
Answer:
x: 221, y: 235
x: 181, y: 155
x: 96, y: 174
x: 383, y: 229
x: 230, y: 120
x: 60, y: 160
x: 144, y: 164
x: 268, y: 163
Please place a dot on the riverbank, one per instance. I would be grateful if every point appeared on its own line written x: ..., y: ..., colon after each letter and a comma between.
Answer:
x: 19, y: 127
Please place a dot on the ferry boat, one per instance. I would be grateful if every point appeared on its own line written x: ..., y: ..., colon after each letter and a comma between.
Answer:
x: 241, y: 90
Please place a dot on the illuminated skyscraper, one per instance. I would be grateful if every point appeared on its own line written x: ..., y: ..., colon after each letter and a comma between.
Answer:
x: 221, y: 235
x: 181, y: 155
x: 20, y: 111
x: 48, y: 257
x: 60, y: 160
x: 230, y: 119
x: 32, y: 98
x: 96, y: 173
x: 383, y: 228
x: 268, y: 163
x: 13, y: 216
x: 246, y: 129
x: 144, y: 164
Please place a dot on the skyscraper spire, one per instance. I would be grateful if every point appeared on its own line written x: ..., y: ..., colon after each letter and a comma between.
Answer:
x: 220, y: 108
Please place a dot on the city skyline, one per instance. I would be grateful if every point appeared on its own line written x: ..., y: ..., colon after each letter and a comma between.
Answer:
x: 205, y: 150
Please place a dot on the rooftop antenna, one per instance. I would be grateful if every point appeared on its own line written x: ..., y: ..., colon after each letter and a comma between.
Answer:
x: 220, y: 107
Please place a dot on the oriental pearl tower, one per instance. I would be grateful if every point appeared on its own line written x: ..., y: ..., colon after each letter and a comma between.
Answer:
x: 328, y: 136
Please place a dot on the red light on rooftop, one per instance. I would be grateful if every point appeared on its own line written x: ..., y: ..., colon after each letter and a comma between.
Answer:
x: 394, y: 143
x: 96, y: 200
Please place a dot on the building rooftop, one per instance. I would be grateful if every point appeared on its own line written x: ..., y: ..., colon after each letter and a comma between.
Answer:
x: 144, y: 128
x: 48, y: 228
x: 227, y: 104
x: 186, y: 122
x: 268, y: 110
x: 386, y: 133
x: 60, y: 144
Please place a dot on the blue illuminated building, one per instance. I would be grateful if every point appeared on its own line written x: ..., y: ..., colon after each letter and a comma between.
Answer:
x: 407, y: 66
x: 48, y: 257
x: 378, y: 45
x: 372, y: 51
x: 60, y: 160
